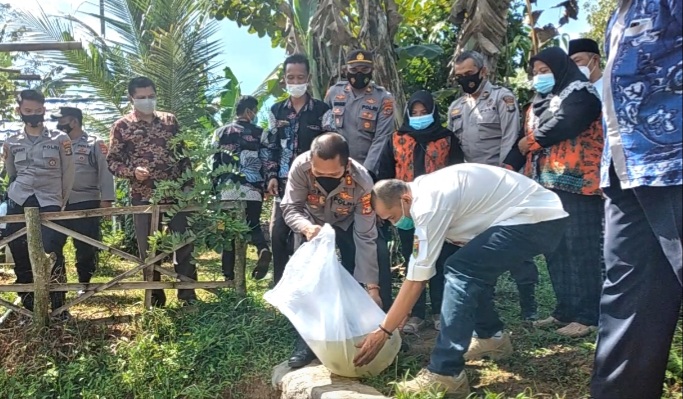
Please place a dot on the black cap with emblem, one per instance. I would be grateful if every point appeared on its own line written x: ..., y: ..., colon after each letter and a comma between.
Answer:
x: 583, y: 46
x: 359, y: 57
x: 69, y: 111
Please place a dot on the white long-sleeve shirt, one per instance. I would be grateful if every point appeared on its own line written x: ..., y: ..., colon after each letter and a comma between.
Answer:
x: 457, y: 203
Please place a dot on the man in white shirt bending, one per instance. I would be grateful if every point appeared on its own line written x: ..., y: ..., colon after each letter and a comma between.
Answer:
x: 499, y: 218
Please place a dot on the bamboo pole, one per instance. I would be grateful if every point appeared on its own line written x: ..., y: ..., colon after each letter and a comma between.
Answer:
x: 15, y: 307
x: 148, y: 272
x: 41, y: 267
x: 91, y: 241
x: 186, y: 279
x: 12, y: 237
x: 99, y: 212
x: 26, y: 77
x: 118, y: 278
x: 40, y: 46
x: 124, y: 286
x: 10, y: 70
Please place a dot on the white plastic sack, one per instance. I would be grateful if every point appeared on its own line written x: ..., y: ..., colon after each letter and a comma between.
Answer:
x: 328, y: 307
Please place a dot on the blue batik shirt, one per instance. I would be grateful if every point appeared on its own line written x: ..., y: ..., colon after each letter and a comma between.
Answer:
x: 642, y: 95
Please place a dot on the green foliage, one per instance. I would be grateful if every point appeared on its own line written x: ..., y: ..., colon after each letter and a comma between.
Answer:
x: 262, y: 17
x: 212, y: 353
x: 598, y: 15
x: 168, y: 41
x: 212, y: 226
x: 7, y: 86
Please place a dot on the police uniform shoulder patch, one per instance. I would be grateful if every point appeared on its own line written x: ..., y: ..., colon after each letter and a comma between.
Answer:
x: 510, y: 103
x: 367, y: 207
x: 388, y: 106
x: 416, y: 246
x: 67, y: 147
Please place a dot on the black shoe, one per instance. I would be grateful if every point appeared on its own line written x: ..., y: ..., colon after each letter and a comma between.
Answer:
x: 302, y: 355
x: 262, y: 265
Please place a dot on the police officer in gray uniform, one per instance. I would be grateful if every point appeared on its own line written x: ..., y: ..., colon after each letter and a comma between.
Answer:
x: 93, y: 187
x: 486, y: 121
x: 361, y: 111
x: 41, y: 173
x: 326, y: 186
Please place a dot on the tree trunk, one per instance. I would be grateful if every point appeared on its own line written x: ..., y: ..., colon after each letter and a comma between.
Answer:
x: 379, y: 22
x: 41, y: 265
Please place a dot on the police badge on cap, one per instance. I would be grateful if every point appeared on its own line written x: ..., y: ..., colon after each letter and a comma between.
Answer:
x: 359, y: 57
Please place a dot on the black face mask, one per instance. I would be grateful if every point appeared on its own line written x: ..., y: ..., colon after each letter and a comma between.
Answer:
x: 359, y: 80
x: 65, y: 128
x: 33, y: 120
x: 329, y: 184
x: 470, y: 84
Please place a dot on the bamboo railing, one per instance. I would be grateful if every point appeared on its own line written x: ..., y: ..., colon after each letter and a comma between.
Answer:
x: 41, y: 264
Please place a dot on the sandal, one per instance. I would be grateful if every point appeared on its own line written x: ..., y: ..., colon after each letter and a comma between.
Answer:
x: 575, y: 330
x: 436, y: 318
x: 548, y: 322
x: 413, y: 325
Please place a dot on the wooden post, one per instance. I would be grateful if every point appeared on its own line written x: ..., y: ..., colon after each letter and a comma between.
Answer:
x: 241, y: 256
x: 40, y: 265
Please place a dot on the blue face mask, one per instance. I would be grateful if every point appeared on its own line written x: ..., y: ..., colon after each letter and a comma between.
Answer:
x: 421, y: 122
x: 405, y: 222
x: 544, y: 83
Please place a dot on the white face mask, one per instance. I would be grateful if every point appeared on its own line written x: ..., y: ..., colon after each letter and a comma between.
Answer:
x: 585, y: 71
x: 297, y: 91
x: 145, y: 106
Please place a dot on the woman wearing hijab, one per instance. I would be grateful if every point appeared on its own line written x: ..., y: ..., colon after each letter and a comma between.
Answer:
x: 561, y: 149
x: 420, y: 146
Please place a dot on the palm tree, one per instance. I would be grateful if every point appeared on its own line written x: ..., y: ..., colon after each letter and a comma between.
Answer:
x: 165, y: 40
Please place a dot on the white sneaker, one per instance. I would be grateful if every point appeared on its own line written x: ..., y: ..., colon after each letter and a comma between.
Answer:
x: 427, y: 382
x: 491, y: 348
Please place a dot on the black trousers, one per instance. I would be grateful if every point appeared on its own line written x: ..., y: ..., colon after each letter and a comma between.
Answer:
x: 575, y: 266
x: 53, y: 242
x: 253, y: 215
x: 281, y: 240
x: 86, y: 254
x: 641, y: 297
x: 183, y: 256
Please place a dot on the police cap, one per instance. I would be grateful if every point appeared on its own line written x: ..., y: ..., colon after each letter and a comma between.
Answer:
x: 357, y: 57
x: 69, y: 111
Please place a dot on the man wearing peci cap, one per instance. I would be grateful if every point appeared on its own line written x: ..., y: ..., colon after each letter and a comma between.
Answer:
x: 586, y: 54
x: 93, y: 186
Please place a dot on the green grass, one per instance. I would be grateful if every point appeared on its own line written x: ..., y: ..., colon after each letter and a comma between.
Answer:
x: 227, y: 347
